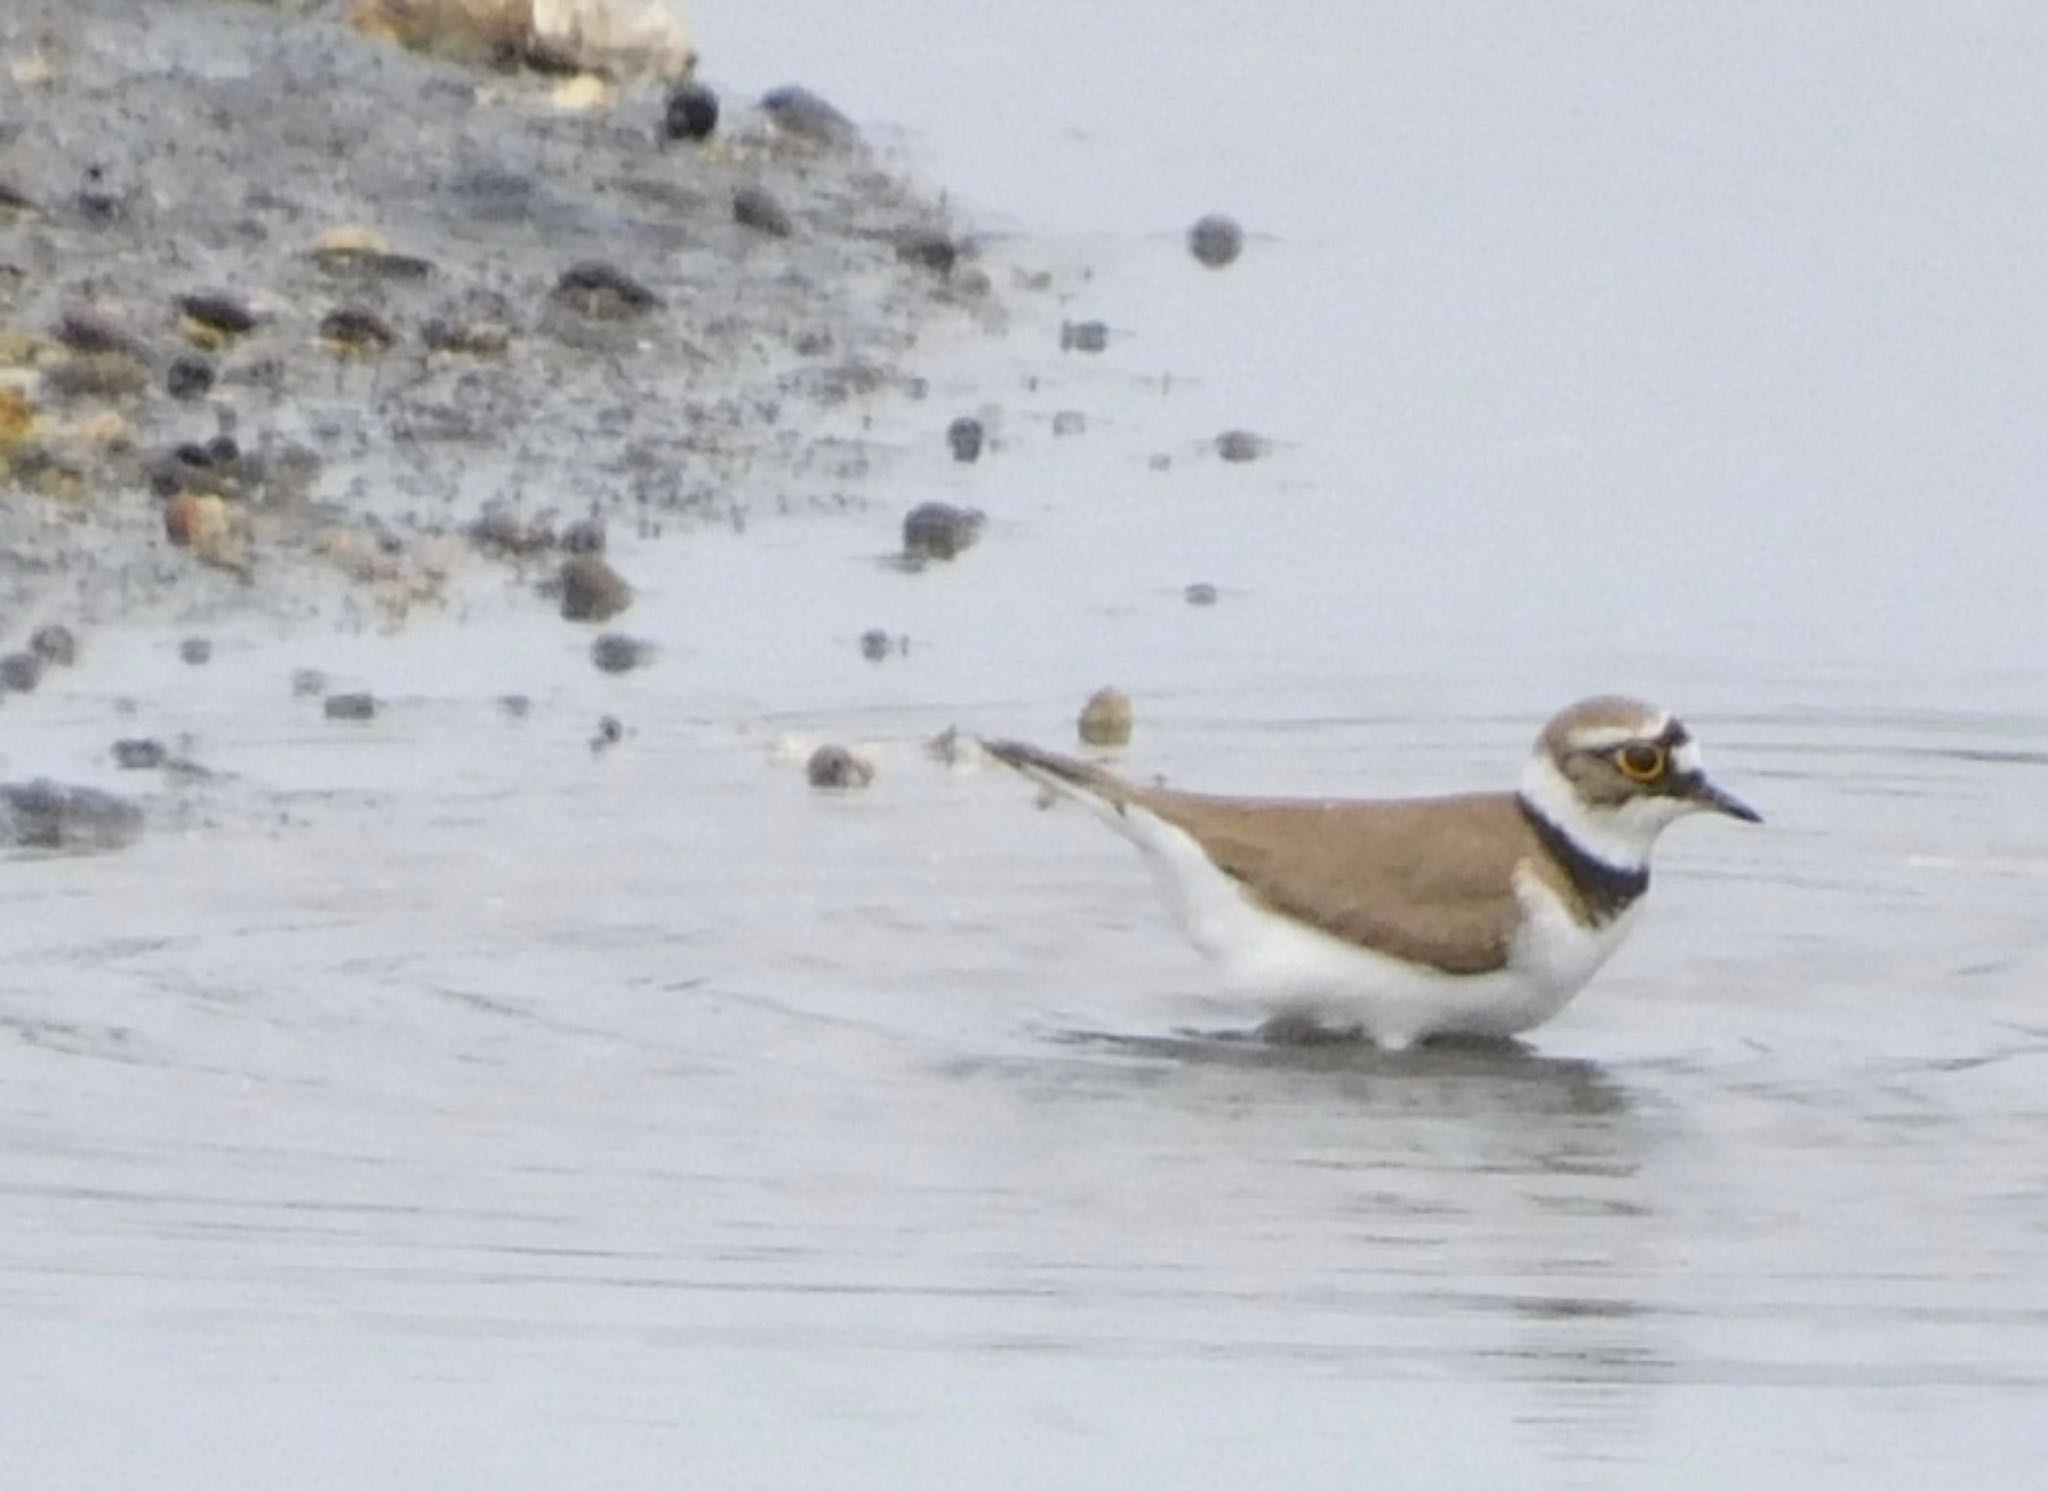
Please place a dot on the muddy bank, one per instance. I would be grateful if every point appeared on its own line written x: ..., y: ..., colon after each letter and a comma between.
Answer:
x: 283, y: 310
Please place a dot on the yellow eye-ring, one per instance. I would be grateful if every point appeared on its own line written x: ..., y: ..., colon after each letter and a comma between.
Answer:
x: 1641, y: 763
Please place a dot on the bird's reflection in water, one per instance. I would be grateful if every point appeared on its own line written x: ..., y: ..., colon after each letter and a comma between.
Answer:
x: 1482, y: 1208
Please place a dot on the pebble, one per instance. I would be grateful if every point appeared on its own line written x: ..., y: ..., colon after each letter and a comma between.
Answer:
x: 1106, y: 718
x: 965, y: 435
x: 1083, y: 336
x: 515, y: 706
x: 836, y: 767
x: 99, y: 375
x: 43, y: 814
x: 1069, y: 422
x: 357, y: 706
x: 876, y: 644
x: 592, y: 590
x: 797, y: 112
x: 939, y: 530
x: 358, y: 330
x: 691, y: 113
x: 308, y: 683
x: 928, y: 247
x: 55, y: 643
x: 1201, y: 593
x: 755, y: 207
x: 196, y: 651
x: 1241, y: 445
x: 603, y: 292
x: 1216, y: 240
x: 82, y: 331
x: 615, y: 652
x: 141, y: 754
x: 584, y: 536
x: 609, y: 732
x: 188, y: 378
x: 21, y: 672
x: 217, y: 317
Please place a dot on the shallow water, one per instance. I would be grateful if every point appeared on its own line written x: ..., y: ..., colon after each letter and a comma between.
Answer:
x: 446, y: 1102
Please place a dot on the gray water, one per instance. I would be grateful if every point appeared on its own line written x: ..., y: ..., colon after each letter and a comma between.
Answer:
x: 445, y: 1103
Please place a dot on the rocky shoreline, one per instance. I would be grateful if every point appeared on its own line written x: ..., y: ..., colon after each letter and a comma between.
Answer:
x: 292, y: 319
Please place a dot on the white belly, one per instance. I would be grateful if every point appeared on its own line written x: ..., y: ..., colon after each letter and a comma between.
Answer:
x: 1281, y: 966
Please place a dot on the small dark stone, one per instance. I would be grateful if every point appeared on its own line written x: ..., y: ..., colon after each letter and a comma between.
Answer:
x: 55, y: 643
x: 515, y: 706
x: 196, y: 651
x: 965, y: 435
x: 584, y: 536
x: 500, y: 530
x: 141, y: 754
x: 469, y: 336
x: 691, y: 114
x: 1241, y: 445
x: 609, y: 733
x: 1083, y: 336
x: 592, y: 590
x: 875, y: 645
x: 939, y: 530
x: 836, y: 767
x: 1216, y: 240
x: 350, y: 707
x: 754, y: 207
x: 189, y: 378
x: 615, y: 652
x: 357, y: 328
x: 222, y: 450
x: 1201, y: 593
x: 798, y: 112
x: 602, y: 292
x: 928, y: 247
x: 308, y: 683
x: 99, y: 375
x: 82, y: 331
x: 21, y: 672
x: 373, y: 264
x: 224, y: 315
x: 48, y: 815
x: 1069, y: 422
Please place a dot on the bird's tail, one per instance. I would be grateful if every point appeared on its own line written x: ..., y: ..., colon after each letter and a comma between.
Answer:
x: 1100, y: 790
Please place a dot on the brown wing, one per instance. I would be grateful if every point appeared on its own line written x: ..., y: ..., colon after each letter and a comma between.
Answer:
x: 1429, y: 880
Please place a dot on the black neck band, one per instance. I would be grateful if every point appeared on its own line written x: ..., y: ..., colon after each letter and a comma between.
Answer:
x: 1607, y: 891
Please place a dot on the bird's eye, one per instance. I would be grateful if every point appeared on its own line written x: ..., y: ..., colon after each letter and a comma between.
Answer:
x: 1641, y: 763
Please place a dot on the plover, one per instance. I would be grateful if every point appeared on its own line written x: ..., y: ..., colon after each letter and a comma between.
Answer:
x: 1401, y: 919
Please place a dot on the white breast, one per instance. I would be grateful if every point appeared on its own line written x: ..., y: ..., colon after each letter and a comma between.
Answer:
x: 1280, y: 966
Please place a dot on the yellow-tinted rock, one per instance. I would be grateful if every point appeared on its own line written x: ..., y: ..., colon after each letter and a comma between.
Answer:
x: 1106, y: 718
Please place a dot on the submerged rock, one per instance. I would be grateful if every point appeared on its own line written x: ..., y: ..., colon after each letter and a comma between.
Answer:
x: 939, y: 530
x: 1216, y: 240
x: 189, y: 377
x: 43, y: 814
x: 358, y: 706
x: 615, y: 652
x: 214, y: 317
x: 1106, y: 718
x: 1241, y: 445
x: 357, y: 330
x: 1083, y: 336
x: 592, y: 590
x: 838, y: 768
x: 139, y: 754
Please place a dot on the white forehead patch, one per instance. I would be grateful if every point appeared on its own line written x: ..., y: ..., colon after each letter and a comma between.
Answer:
x: 1606, y: 737
x: 1686, y: 759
